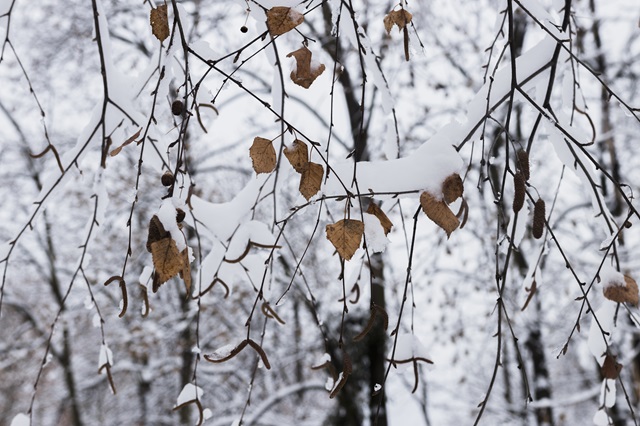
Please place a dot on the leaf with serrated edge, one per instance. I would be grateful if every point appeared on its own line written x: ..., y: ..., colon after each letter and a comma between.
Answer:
x: 439, y: 212
x: 397, y: 17
x: 282, y: 19
x: 305, y: 73
x: 346, y: 235
x: 375, y: 210
x: 166, y: 259
x: 263, y: 155
x: 298, y: 155
x: 159, y: 22
x: 311, y: 180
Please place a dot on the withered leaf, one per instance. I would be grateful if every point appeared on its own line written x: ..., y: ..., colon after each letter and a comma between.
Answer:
x: 263, y: 155
x: 623, y: 294
x: 397, y: 17
x: 156, y: 232
x: 610, y: 368
x: 282, y: 19
x: 346, y: 235
x: 166, y: 259
x: 311, y: 180
x: 452, y: 188
x: 306, y: 72
x: 298, y: 155
x: 375, y: 210
x: 117, y: 150
x: 439, y: 212
x: 160, y: 22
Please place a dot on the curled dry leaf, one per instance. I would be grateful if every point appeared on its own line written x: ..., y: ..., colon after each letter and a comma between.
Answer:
x: 263, y: 155
x: 439, y: 212
x: 298, y: 155
x: 160, y: 22
x: 452, y: 188
x: 623, y: 294
x: 306, y: 71
x: 375, y: 210
x: 397, y: 17
x: 117, y: 150
x: 346, y: 235
x: 311, y: 180
x: 282, y: 19
x: 610, y: 368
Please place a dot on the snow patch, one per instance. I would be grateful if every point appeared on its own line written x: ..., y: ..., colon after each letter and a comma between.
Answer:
x: 189, y: 393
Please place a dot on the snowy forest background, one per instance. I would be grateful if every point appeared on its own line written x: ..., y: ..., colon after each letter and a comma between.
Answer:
x: 326, y: 281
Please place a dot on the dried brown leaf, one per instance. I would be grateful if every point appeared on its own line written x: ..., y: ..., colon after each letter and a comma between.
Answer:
x: 166, y: 259
x: 298, y: 155
x: 117, y: 150
x: 160, y: 22
x: 439, y: 212
x: 375, y: 210
x: 311, y: 180
x: 346, y: 235
x: 156, y: 232
x: 610, y: 368
x: 623, y: 294
x: 400, y: 18
x: 306, y: 72
x: 282, y: 19
x: 263, y: 155
x: 452, y: 188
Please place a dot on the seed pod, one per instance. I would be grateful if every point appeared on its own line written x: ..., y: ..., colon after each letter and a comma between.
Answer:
x: 244, y: 29
x: 177, y: 107
x: 519, y: 186
x: 167, y: 178
x: 538, y: 218
x: 523, y: 163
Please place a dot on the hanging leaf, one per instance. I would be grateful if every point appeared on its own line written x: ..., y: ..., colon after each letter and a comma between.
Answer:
x: 306, y: 71
x: 452, y: 188
x: 311, y: 180
x: 167, y: 260
x: 346, y: 235
x: 159, y: 22
x: 282, y: 19
x: 117, y: 150
x: 263, y: 155
x: 156, y: 232
x: 439, y: 212
x: 397, y: 17
x: 610, y: 368
x: 627, y: 293
x: 298, y: 155
x: 375, y: 210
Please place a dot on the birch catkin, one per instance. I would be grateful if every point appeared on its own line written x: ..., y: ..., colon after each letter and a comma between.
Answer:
x: 519, y: 187
x: 538, y: 218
